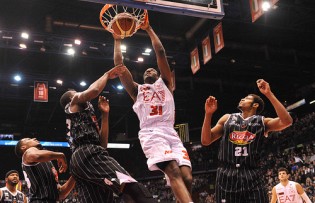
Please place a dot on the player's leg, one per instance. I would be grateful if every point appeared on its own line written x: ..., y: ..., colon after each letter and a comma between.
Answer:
x: 187, y: 177
x: 178, y: 186
x: 105, y: 171
x: 89, y: 192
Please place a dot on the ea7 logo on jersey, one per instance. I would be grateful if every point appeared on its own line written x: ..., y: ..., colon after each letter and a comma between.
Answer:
x: 241, y: 137
x: 286, y: 198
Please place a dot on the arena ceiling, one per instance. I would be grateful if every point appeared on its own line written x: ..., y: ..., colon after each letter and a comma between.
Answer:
x: 278, y: 47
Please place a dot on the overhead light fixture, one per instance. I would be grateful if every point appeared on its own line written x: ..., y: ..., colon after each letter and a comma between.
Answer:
x: 312, y: 102
x: 17, y: 78
x: 6, y: 37
x: 24, y: 35
x: 266, y: 5
x: 140, y: 59
x: 146, y: 54
x: 23, y: 46
x: 148, y: 50
x: 123, y: 48
x: 59, y: 82
x: 92, y: 47
x: 39, y: 41
x: 67, y: 45
x: 120, y: 87
x: 83, y: 83
x: 77, y: 41
x: 42, y: 49
x: 71, y: 51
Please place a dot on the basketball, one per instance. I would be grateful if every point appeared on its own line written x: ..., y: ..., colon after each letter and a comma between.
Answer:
x: 124, y: 26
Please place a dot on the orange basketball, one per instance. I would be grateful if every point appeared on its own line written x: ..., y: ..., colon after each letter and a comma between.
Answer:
x: 124, y: 27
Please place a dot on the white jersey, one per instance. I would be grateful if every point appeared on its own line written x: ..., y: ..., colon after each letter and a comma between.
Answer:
x: 9, y: 197
x: 288, y: 193
x: 155, y: 105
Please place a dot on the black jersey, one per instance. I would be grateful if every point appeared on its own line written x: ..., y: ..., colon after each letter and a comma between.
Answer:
x: 83, y: 127
x: 242, y: 141
x: 8, y: 197
x: 42, y: 181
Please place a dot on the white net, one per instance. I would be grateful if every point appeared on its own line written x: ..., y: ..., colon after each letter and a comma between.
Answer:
x: 110, y: 13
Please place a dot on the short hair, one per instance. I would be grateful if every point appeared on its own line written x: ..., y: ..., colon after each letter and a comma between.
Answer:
x: 65, y: 98
x: 18, y: 151
x: 283, y: 169
x: 10, y: 172
x: 260, y: 101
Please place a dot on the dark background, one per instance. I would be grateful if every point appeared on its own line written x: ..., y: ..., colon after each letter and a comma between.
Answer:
x: 277, y: 47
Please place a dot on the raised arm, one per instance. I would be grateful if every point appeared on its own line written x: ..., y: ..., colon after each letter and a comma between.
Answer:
x: 66, y: 188
x: 34, y: 155
x: 103, y: 106
x: 208, y: 134
x: 162, y: 62
x: 126, y: 78
x: 284, y: 119
x: 97, y: 87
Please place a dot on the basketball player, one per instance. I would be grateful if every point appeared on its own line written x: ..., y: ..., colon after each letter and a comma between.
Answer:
x: 40, y: 174
x: 9, y: 193
x: 239, y: 177
x: 154, y: 106
x: 97, y: 174
x: 288, y: 191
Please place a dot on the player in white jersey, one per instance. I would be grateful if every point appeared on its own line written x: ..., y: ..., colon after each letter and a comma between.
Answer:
x: 288, y: 191
x: 9, y: 193
x: 155, y: 108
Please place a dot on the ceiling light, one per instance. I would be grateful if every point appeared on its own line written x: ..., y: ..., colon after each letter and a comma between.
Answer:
x: 59, y: 82
x: 67, y: 45
x: 43, y: 49
x: 312, y: 102
x: 146, y: 54
x: 6, y: 37
x: 17, y: 78
x: 23, y: 46
x: 123, y: 47
x: 120, y: 87
x: 95, y: 48
x: 24, y: 35
x: 83, y: 83
x: 140, y: 59
x: 77, y: 41
x: 71, y: 51
x: 266, y: 5
x: 39, y: 41
x: 147, y: 50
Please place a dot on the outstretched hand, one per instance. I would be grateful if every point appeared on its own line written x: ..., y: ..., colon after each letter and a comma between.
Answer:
x: 211, y: 105
x: 103, y: 104
x: 263, y: 86
x: 116, y: 71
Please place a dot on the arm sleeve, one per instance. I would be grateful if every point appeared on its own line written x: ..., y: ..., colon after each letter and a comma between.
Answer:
x: 305, y: 198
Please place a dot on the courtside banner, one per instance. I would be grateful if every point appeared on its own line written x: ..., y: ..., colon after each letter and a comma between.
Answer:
x: 41, y: 91
x: 206, y: 50
x: 218, y: 38
x: 255, y: 9
x: 194, y: 58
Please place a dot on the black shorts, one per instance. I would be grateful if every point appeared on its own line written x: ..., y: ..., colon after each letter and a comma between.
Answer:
x: 92, y: 167
x: 240, y: 185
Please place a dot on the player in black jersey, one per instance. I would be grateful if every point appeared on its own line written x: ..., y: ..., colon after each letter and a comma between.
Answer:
x: 239, y: 177
x: 97, y: 174
x: 9, y: 193
x: 40, y: 174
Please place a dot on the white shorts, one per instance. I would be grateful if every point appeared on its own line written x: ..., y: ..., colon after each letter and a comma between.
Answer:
x: 162, y: 144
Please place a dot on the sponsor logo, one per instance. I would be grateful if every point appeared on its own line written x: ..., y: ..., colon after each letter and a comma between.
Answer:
x: 241, y: 137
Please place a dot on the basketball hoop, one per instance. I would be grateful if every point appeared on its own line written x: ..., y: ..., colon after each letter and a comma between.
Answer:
x: 121, y: 20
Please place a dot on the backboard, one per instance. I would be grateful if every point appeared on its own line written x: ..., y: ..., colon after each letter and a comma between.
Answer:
x: 212, y: 9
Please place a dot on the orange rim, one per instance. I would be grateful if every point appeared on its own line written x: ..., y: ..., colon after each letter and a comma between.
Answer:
x: 104, y: 9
